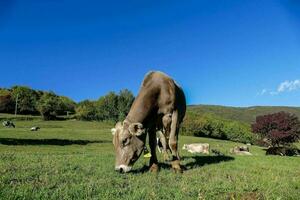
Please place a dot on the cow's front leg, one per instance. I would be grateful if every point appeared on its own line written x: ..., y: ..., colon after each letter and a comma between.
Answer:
x: 173, y: 143
x: 175, y: 155
x: 152, y: 144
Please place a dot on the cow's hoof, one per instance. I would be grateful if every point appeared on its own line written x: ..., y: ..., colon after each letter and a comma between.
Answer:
x: 176, y: 166
x: 154, y: 168
x: 178, y: 171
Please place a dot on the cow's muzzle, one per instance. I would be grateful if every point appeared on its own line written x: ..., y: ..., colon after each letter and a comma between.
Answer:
x: 123, y: 168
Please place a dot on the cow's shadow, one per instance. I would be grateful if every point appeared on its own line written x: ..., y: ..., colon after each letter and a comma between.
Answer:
x: 199, y: 161
x: 59, y: 142
x: 190, y: 162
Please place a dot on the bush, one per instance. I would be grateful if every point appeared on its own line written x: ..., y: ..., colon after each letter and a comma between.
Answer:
x: 211, y: 126
x: 280, y: 128
x: 239, y: 132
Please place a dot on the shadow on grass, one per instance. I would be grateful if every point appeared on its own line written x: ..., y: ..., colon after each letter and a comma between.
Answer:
x: 60, y: 142
x: 199, y: 161
x: 192, y: 162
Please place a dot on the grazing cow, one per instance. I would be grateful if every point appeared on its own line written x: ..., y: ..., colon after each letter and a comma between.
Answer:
x: 8, y: 124
x: 241, y: 150
x: 160, y: 105
x: 35, y: 128
x: 197, y: 148
x: 283, y: 151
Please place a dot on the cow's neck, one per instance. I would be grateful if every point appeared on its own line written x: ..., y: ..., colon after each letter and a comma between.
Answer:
x: 141, y: 109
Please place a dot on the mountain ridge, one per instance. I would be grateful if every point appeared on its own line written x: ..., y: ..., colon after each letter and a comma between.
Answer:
x: 242, y: 114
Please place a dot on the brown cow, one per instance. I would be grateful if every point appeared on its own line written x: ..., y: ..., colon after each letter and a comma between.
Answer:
x: 160, y: 105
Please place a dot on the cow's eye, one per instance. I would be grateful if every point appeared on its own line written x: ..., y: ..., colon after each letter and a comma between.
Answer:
x: 125, y: 141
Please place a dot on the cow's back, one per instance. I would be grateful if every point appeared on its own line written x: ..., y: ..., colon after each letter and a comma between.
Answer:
x: 159, y: 94
x: 170, y: 95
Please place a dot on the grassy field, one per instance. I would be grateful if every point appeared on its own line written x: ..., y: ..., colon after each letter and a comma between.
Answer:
x: 75, y: 160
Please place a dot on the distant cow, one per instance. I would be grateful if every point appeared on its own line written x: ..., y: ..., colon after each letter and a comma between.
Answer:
x: 240, y: 150
x: 283, y: 151
x: 8, y: 124
x: 197, y: 148
x: 35, y: 128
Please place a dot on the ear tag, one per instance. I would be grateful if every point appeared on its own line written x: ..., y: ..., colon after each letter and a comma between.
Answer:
x: 147, y: 154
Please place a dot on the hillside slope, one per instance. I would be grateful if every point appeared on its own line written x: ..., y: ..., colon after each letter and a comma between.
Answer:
x: 243, y: 114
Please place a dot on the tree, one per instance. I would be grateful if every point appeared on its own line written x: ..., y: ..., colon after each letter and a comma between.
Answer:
x: 280, y: 128
x: 6, y: 101
x: 66, y: 105
x: 86, y: 110
x: 111, y: 107
x: 107, y: 107
x: 125, y: 100
x: 27, y: 99
x: 49, y: 105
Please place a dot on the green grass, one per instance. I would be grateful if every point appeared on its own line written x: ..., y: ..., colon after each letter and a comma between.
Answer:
x: 4, y: 116
x: 75, y: 160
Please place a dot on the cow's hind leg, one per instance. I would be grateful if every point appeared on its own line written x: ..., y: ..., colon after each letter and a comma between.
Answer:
x: 152, y: 144
x: 173, y: 142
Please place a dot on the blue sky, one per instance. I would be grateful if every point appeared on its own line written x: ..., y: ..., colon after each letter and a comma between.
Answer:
x: 237, y: 53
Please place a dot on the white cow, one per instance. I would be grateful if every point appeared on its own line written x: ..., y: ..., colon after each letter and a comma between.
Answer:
x: 197, y: 148
x: 241, y: 150
x: 35, y: 128
x: 8, y: 124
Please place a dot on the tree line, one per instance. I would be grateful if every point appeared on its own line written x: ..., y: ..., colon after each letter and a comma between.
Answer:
x: 276, y: 129
x: 210, y: 125
x: 112, y: 106
x: 27, y: 101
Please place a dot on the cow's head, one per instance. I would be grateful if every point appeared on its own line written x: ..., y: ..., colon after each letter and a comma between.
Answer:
x: 129, y: 141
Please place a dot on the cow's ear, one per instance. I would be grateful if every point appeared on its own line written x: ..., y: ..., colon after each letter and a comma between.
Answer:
x: 113, y: 131
x: 136, y: 129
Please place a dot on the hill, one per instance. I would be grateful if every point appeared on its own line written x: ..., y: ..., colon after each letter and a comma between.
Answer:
x: 242, y: 114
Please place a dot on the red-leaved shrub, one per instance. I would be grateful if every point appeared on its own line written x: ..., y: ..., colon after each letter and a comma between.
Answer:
x: 280, y: 128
